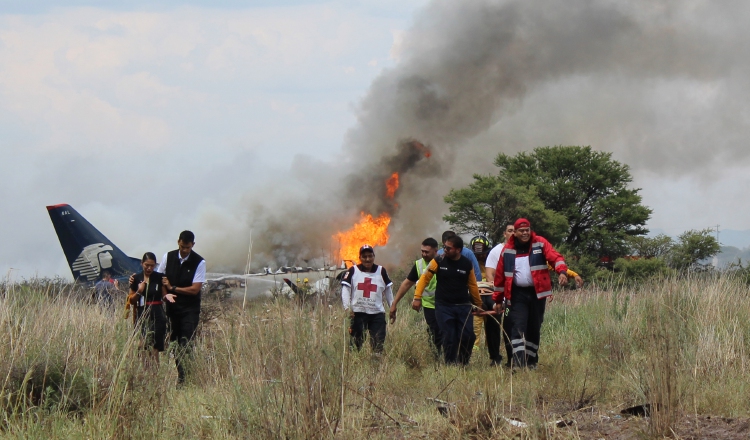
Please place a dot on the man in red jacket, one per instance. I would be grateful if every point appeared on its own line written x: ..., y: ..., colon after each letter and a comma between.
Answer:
x: 522, y: 280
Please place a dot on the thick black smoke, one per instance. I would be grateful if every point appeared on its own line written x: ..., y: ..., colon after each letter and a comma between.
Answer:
x: 367, y: 189
x: 659, y: 83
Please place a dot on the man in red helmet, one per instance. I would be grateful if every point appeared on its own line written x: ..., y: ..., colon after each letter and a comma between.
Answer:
x: 522, y: 280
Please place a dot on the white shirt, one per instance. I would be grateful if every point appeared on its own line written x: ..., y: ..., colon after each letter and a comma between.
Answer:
x: 522, y: 272
x: 200, y: 272
x: 494, y: 257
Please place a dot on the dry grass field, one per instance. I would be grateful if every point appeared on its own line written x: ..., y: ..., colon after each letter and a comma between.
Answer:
x: 279, y: 369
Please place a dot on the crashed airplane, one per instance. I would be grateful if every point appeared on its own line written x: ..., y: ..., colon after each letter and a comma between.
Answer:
x: 89, y: 252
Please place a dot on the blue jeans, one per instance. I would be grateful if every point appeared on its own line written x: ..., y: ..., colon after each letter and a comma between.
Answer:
x: 433, y: 329
x: 457, y: 326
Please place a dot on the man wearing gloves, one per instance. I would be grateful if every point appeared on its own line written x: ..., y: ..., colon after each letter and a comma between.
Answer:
x: 363, y: 288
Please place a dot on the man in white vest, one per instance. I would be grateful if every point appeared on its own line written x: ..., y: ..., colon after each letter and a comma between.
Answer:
x: 363, y: 288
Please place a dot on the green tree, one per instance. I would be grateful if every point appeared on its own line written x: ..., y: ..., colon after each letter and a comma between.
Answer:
x: 491, y: 202
x: 589, y: 188
x: 691, y: 248
x: 650, y: 247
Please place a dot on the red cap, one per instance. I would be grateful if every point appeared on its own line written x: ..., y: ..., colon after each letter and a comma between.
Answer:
x: 521, y: 223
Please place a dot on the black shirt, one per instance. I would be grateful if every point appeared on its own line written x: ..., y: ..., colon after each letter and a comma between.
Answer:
x: 414, y: 275
x: 452, y: 281
x: 154, y: 286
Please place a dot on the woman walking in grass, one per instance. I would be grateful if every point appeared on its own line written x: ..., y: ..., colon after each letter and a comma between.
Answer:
x: 147, y: 294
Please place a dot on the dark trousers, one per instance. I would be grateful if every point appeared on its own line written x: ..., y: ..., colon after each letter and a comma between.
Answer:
x: 507, y: 330
x: 492, y: 332
x: 457, y: 326
x: 374, y: 323
x: 183, y: 323
x: 153, y: 325
x: 526, y: 315
x: 433, y: 329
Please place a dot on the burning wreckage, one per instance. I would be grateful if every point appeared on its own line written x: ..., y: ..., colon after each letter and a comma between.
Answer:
x: 375, y: 214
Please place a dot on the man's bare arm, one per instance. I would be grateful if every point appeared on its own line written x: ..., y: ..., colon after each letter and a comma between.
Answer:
x: 402, y: 289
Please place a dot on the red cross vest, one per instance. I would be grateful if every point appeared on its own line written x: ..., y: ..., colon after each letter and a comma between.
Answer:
x: 367, y: 291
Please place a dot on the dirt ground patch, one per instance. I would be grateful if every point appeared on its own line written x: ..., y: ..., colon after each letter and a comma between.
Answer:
x: 688, y: 427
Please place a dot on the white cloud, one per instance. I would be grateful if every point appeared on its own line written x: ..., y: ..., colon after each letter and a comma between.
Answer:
x: 99, y: 107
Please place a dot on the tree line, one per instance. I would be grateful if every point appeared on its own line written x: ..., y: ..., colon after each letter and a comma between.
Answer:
x: 580, y: 199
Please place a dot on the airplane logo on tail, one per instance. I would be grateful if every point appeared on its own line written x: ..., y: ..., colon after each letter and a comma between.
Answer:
x: 92, y: 260
x: 87, y: 250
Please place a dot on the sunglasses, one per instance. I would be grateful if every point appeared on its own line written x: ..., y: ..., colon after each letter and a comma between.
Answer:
x: 448, y: 248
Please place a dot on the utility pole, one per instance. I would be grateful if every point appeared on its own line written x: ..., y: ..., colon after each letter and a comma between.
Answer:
x: 717, y: 234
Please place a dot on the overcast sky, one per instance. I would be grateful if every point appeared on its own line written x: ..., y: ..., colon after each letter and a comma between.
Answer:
x: 117, y: 107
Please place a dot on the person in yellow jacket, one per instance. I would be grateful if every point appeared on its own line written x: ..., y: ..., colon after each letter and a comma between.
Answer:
x: 456, y: 295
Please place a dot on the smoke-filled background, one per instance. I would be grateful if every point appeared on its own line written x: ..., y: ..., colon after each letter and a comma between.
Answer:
x: 284, y: 121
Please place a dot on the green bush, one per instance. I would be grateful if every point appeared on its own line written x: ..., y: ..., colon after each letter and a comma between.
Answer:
x: 633, y: 271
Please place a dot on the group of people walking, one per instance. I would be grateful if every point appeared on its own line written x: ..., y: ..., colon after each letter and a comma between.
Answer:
x: 455, y: 294
x: 454, y: 290
x: 170, y: 293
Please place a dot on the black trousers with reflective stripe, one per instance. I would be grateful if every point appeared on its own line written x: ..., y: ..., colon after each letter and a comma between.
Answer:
x: 526, y: 316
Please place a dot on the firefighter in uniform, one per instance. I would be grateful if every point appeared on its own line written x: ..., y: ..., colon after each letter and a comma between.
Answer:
x: 480, y: 245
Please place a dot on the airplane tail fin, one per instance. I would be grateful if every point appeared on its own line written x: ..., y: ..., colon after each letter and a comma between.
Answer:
x: 291, y: 285
x: 87, y: 250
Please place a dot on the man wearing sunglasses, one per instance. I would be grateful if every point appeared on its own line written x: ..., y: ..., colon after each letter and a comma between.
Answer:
x: 456, y: 294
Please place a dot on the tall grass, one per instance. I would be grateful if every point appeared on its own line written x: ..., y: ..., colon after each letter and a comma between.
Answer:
x: 281, y: 370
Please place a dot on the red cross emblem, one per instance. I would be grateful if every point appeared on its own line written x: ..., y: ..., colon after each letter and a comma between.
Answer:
x: 367, y: 287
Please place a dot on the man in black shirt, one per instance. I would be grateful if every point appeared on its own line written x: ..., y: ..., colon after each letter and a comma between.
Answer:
x: 455, y: 294
x: 185, y: 273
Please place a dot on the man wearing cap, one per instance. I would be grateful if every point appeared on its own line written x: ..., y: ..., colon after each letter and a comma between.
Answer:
x: 429, y: 251
x: 522, y: 279
x: 362, y: 290
x: 456, y: 294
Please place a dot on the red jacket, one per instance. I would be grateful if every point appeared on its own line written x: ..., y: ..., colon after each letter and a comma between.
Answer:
x: 541, y: 252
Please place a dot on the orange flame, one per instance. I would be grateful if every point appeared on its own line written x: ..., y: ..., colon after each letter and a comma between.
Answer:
x: 369, y: 230
x: 420, y: 146
x: 391, y: 185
